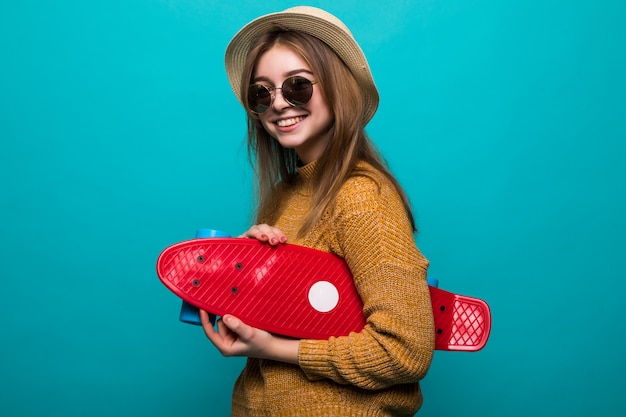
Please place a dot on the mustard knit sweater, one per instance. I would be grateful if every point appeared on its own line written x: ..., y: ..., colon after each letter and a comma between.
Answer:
x: 374, y: 372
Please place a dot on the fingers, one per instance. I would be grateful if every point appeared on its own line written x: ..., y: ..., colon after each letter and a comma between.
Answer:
x: 207, y: 326
x: 228, y: 336
x: 223, y: 338
x: 258, y: 343
x: 235, y: 338
x: 266, y: 233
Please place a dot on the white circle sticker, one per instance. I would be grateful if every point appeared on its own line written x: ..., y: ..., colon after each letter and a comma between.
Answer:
x: 323, y: 296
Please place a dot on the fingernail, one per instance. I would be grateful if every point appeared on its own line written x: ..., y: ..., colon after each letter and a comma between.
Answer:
x: 264, y: 237
x: 274, y: 241
x: 283, y: 239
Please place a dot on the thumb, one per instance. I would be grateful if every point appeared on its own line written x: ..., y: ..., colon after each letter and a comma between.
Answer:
x: 231, y: 322
x: 234, y: 324
x: 237, y: 326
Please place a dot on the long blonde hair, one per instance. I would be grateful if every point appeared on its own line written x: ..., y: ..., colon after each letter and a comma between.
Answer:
x: 275, y: 166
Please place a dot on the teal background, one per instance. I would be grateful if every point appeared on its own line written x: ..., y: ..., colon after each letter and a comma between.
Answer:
x: 119, y: 135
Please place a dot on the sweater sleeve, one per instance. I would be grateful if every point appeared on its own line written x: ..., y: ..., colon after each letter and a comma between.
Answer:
x: 372, y: 233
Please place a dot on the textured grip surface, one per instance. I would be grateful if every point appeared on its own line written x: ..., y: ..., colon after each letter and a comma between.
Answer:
x: 461, y: 322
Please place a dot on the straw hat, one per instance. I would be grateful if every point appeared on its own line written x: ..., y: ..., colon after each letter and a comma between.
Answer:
x: 317, y: 23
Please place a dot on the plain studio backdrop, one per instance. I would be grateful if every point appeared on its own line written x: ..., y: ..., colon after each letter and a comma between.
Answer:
x: 119, y: 135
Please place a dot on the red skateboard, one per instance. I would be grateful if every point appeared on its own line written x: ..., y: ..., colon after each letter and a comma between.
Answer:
x: 297, y: 291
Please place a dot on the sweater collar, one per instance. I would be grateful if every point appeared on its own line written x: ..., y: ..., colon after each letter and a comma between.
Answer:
x: 307, y: 171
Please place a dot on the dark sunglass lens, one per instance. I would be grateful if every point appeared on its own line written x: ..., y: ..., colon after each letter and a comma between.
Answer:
x: 297, y: 90
x: 259, y: 98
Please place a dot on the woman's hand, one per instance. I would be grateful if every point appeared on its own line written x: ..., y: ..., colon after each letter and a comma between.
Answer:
x: 235, y: 338
x: 266, y: 233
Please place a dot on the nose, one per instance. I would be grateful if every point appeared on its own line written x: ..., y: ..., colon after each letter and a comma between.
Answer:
x: 278, y: 101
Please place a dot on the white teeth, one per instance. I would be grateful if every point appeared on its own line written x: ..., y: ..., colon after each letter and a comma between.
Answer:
x: 289, y: 122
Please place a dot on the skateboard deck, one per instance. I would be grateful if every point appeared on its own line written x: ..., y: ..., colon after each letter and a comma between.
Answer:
x: 297, y: 291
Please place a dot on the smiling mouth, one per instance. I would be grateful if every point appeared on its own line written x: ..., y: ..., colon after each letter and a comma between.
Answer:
x: 289, y: 122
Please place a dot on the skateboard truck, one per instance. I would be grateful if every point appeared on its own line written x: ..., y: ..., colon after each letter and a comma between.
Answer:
x: 188, y: 312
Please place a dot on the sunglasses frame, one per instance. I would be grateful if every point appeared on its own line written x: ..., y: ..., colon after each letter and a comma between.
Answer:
x: 272, y: 93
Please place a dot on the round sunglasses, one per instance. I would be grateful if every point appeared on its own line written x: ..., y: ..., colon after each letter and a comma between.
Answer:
x: 296, y: 90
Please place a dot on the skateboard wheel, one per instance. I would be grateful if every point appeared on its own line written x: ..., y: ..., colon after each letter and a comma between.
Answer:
x: 432, y: 281
x: 208, y: 233
x: 189, y: 314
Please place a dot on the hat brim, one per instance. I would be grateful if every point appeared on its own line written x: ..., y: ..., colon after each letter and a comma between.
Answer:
x: 314, y: 22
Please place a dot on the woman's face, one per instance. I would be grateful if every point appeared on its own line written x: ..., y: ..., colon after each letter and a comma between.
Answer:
x: 304, y: 128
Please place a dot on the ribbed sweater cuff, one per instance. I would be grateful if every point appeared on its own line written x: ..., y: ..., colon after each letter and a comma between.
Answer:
x: 313, y: 359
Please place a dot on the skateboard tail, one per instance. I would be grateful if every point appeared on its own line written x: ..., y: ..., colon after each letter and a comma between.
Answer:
x: 462, y: 323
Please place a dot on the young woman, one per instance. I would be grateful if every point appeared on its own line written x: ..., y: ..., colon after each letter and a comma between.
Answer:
x: 309, y: 93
